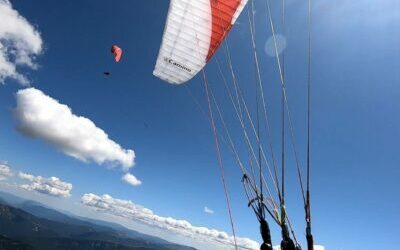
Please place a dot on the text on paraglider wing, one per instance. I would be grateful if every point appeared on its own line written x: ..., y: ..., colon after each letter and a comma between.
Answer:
x: 178, y: 65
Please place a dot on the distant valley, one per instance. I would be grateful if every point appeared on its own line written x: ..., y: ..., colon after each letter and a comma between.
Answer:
x: 28, y: 225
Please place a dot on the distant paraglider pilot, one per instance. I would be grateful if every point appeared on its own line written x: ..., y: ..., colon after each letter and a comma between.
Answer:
x: 117, y: 52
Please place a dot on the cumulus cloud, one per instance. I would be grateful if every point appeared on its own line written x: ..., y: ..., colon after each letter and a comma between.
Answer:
x: 208, y: 210
x: 131, y: 180
x: 51, y: 186
x: 20, y: 43
x: 316, y: 247
x: 5, y: 171
x: 132, y: 211
x: 43, y: 117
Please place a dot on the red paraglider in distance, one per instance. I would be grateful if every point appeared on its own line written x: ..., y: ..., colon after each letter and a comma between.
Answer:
x: 117, y: 51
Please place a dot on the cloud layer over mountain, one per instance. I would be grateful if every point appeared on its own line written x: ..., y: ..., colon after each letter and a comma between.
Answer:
x: 130, y: 210
x: 51, y: 186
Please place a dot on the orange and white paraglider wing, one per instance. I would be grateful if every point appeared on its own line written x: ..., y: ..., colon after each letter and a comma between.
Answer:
x: 193, y: 32
x: 117, y: 51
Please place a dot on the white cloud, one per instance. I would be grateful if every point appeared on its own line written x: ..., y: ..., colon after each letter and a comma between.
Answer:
x: 208, y: 210
x: 131, y: 180
x: 5, y: 171
x: 51, y: 186
x: 316, y: 247
x: 20, y: 43
x: 43, y: 117
x: 132, y: 211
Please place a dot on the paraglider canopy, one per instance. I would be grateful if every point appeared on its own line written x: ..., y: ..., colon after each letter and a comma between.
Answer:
x: 193, y: 32
x: 117, y: 51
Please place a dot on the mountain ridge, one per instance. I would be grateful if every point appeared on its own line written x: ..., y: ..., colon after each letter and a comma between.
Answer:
x: 31, y: 225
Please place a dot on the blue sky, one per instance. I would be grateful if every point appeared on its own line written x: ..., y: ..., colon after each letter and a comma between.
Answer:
x: 355, y: 118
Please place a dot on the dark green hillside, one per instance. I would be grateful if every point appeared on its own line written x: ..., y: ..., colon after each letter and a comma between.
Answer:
x: 21, y: 230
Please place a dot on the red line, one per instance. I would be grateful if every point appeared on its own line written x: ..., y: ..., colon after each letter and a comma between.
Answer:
x: 221, y: 166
